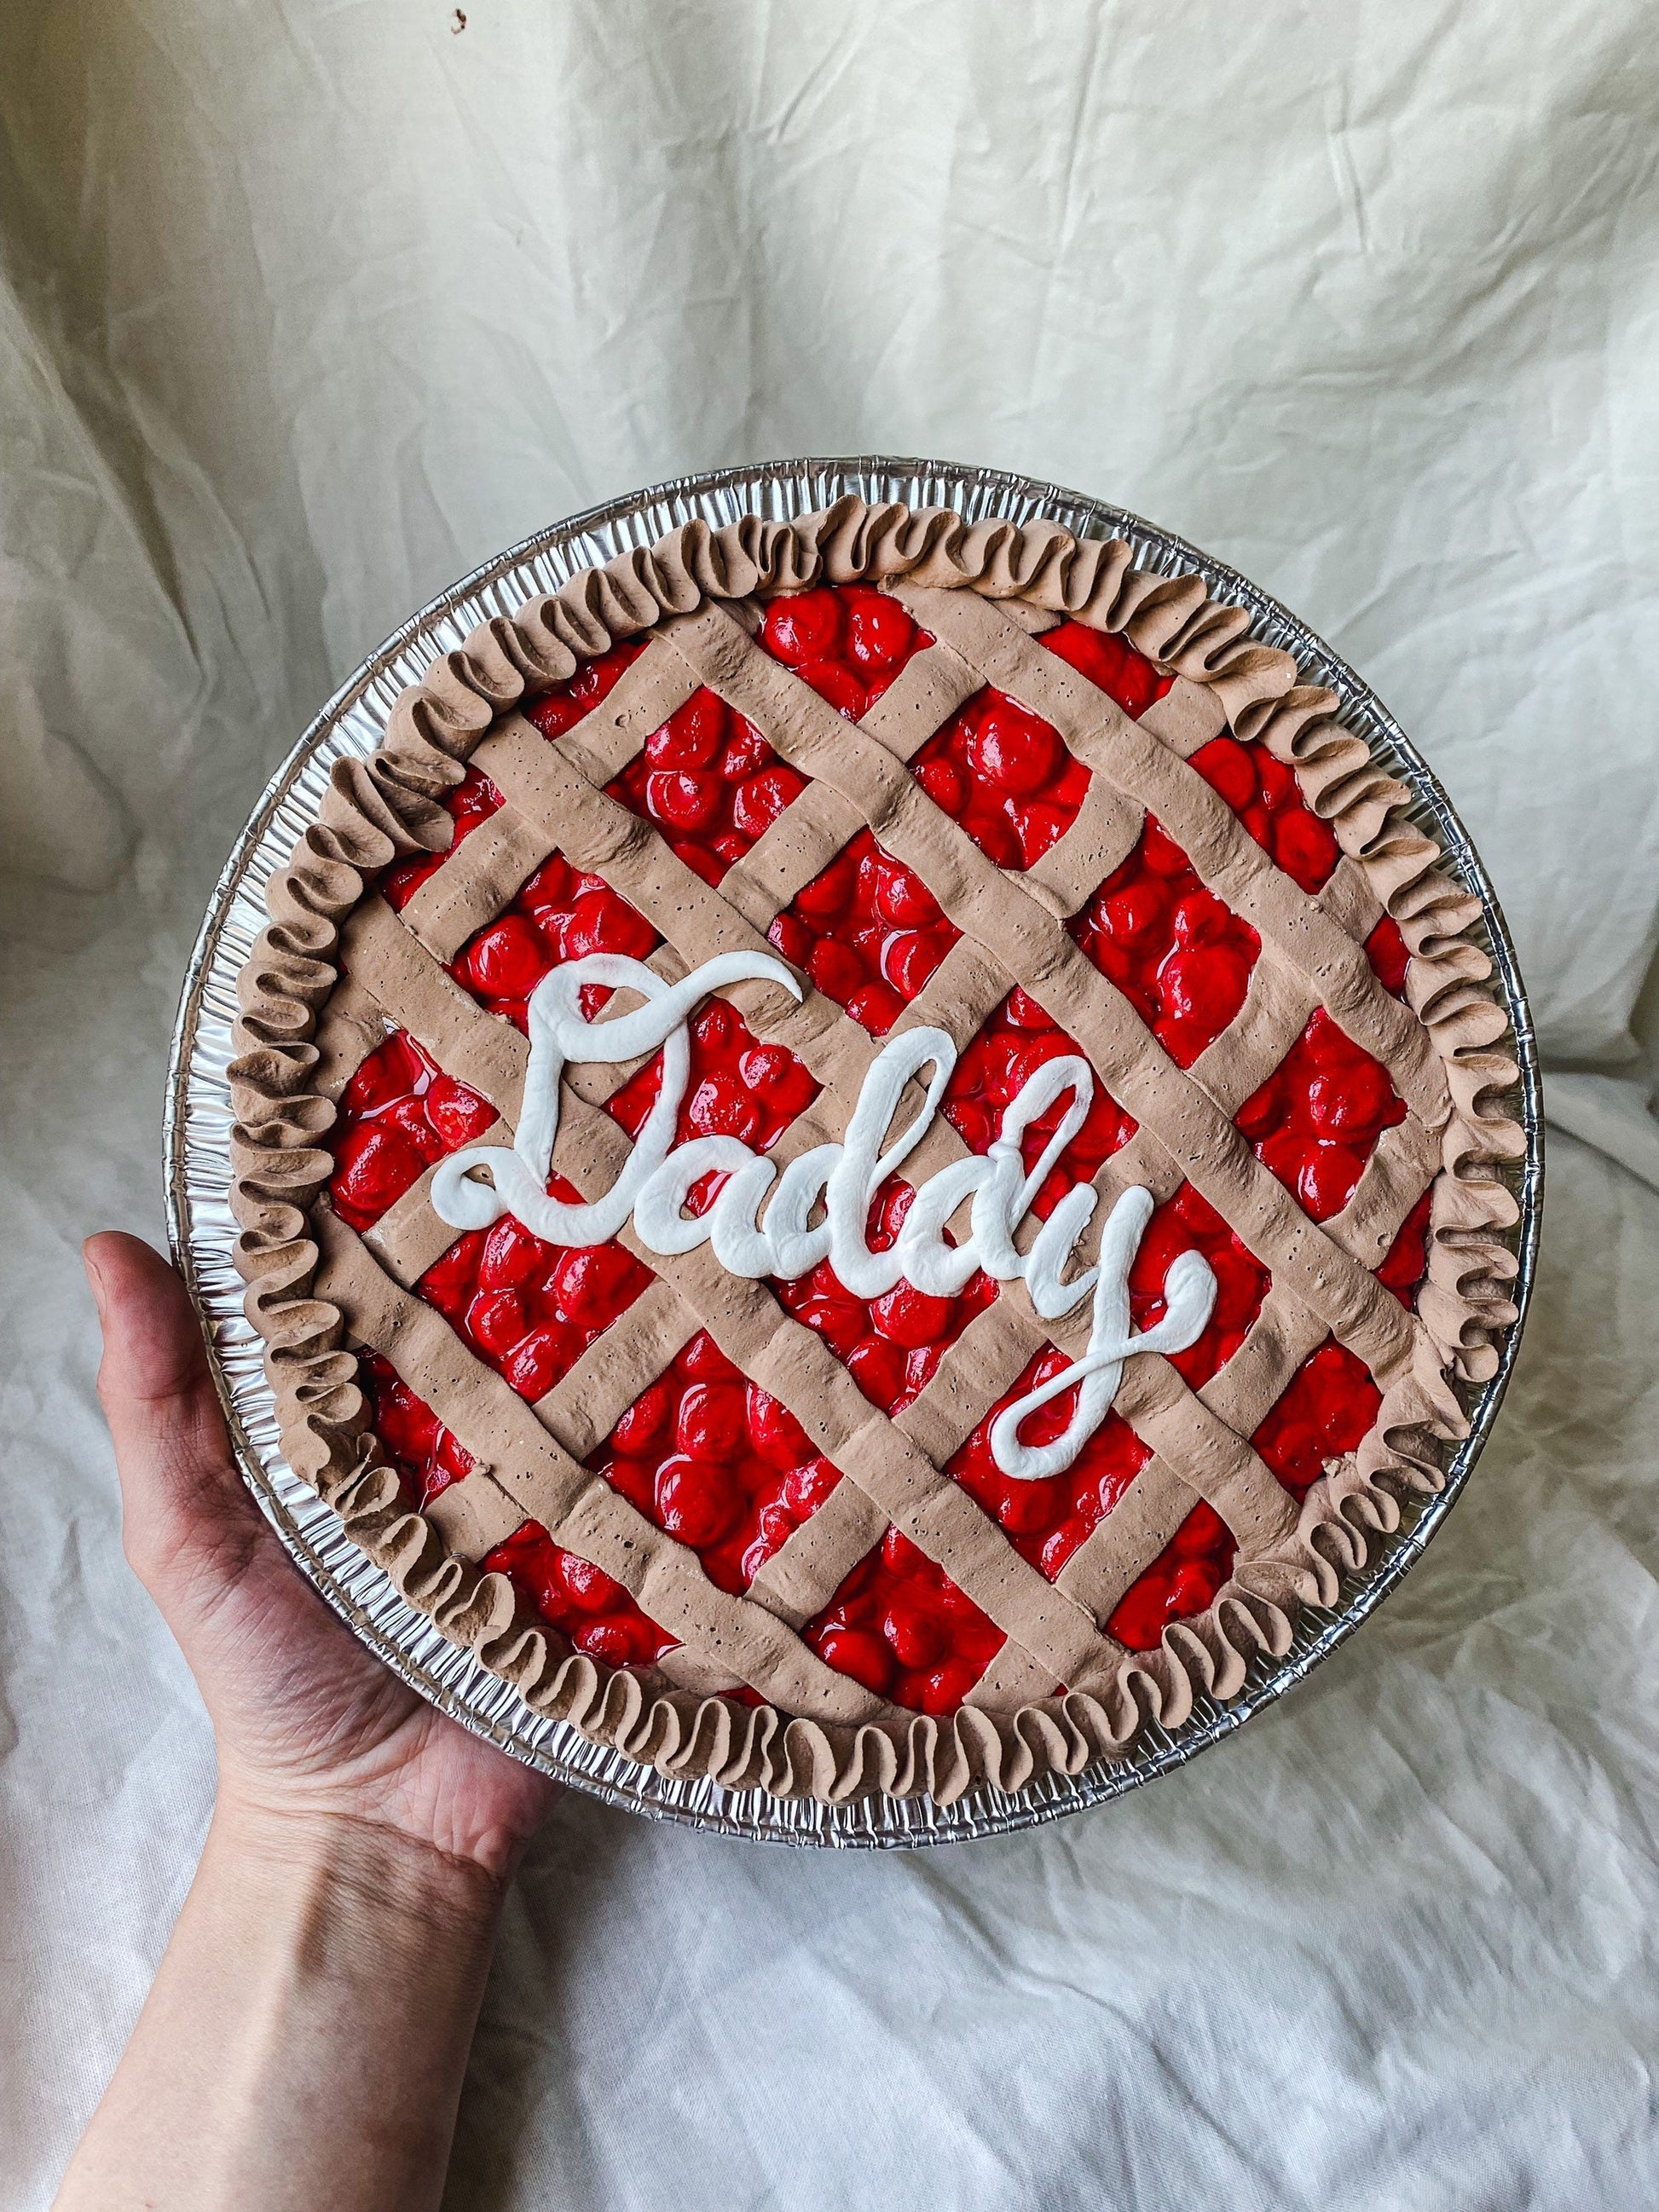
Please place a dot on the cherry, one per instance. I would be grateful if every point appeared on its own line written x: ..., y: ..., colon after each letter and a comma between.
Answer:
x: 1315, y: 1120
x: 898, y: 1625
x: 1047, y: 1520
x: 716, y: 1462
x: 397, y: 1114
x: 1181, y: 1581
x: 1110, y: 662
x: 692, y: 735
x: 1328, y: 1409
x: 1006, y: 776
x: 693, y: 1502
x: 1180, y: 956
x: 1014, y: 749
x: 1407, y: 1261
x: 805, y: 626
x: 712, y: 1423
x: 598, y: 1614
x: 893, y: 1345
x: 711, y: 783
x: 1386, y: 949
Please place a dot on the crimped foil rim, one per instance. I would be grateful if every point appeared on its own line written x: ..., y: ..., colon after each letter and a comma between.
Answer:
x: 198, y: 1116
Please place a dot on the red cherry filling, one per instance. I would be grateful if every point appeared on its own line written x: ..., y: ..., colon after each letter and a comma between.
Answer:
x: 424, y: 1455
x: 528, y: 1309
x: 900, y: 1626
x: 848, y: 641
x: 1407, y: 1261
x: 1006, y: 776
x: 1180, y: 955
x: 717, y: 1463
x: 1317, y: 1119
x: 997, y: 1064
x: 710, y: 782
x: 891, y: 1346
x: 737, y: 1089
x: 473, y: 800
x: 1182, y: 1580
x: 559, y: 913
x: 1188, y: 1223
x: 579, y: 1599
x: 867, y: 931
x: 1386, y: 949
x: 1047, y: 1520
x: 566, y: 704
x: 1330, y: 1403
x: 397, y: 1114
x: 1267, y: 800
x: 1110, y: 662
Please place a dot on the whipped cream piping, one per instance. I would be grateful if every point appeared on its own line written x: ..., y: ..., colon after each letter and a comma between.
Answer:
x: 473, y: 1188
x: 377, y: 809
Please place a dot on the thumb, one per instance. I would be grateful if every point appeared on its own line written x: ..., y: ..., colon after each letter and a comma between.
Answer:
x: 184, y: 1505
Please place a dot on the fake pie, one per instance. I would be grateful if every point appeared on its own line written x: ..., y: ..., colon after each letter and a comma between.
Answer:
x: 867, y: 1147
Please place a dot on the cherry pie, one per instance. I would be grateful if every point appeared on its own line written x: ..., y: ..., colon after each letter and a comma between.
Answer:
x: 867, y: 1147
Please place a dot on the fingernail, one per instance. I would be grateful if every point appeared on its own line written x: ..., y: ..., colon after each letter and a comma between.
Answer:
x: 94, y: 1276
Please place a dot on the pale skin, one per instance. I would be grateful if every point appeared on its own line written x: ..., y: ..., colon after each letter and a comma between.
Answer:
x: 305, y: 2036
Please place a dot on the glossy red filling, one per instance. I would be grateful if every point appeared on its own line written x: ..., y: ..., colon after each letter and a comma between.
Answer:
x: 738, y: 1088
x: 579, y: 1599
x: 1188, y: 1223
x: 1315, y: 1120
x: 717, y: 1463
x: 1047, y: 1520
x: 713, y: 1460
x: 1180, y: 955
x: 398, y: 1115
x: 1267, y: 800
x: 848, y: 641
x: 993, y: 1068
x: 423, y: 1454
x: 900, y: 1626
x: 528, y: 1309
x: 559, y: 913
x: 891, y: 1346
x: 1181, y: 1581
x: 867, y: 931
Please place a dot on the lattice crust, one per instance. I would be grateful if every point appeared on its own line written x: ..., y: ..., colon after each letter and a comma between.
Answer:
x: 336, y: 968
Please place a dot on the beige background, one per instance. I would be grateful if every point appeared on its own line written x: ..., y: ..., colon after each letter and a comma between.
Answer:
x: 306, y: 308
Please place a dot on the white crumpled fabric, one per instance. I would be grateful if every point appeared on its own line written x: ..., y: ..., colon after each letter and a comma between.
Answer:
x: 308, y: 308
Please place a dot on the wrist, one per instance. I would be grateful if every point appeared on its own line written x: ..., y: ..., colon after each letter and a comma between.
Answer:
x: 354, y: 1874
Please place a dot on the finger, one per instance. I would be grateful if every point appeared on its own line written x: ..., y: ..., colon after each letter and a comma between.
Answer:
x: 180, y: 1492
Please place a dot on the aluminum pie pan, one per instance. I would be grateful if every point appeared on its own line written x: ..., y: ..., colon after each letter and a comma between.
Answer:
x: 198, y: 1117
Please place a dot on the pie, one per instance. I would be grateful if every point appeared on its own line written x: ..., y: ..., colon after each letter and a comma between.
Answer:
x: 869, y: 1146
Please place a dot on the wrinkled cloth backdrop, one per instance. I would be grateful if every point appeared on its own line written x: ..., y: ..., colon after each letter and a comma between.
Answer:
x: 308, y: 308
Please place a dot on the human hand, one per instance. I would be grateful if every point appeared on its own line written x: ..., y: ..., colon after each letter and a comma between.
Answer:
x: 309, y: 1725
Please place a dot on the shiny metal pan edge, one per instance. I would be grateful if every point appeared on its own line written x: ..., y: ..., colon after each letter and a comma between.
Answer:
x: 198, y: 1117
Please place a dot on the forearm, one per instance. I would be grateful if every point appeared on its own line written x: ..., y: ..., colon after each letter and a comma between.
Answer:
x: 305, y: 2039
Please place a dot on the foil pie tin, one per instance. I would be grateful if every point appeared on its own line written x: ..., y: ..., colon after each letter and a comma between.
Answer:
x: 198, y: 1117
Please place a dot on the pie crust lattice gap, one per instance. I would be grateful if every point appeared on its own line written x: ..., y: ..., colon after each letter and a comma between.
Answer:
x: 737, y: 1685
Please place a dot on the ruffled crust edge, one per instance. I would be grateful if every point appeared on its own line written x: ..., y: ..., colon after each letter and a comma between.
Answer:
x: 380, y: 809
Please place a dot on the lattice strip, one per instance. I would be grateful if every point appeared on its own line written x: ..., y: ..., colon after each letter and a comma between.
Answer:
x: 480, y: 876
